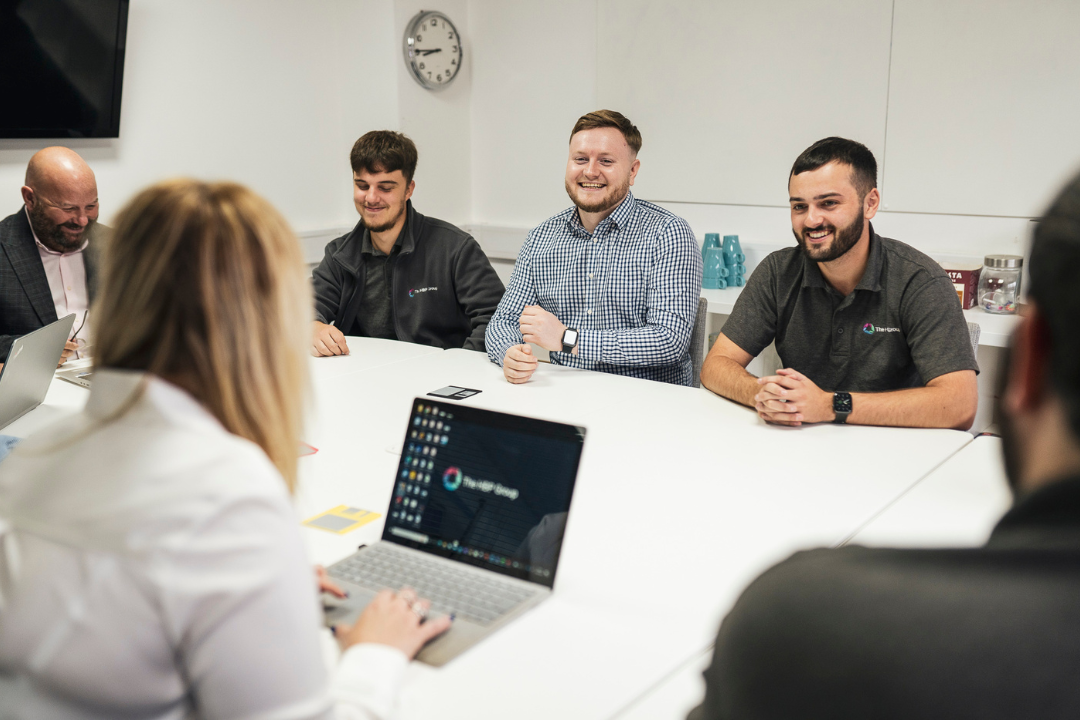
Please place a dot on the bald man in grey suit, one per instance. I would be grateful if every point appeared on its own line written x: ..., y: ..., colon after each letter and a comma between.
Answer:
x: 57, y: 225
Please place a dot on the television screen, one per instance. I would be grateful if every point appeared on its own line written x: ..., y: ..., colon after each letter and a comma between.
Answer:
x: 61, y: 67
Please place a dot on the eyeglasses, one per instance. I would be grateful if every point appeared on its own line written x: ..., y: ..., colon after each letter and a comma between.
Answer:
x: 69, y: 209
x: 75, y: 335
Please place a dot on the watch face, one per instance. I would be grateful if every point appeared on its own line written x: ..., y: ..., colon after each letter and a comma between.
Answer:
x: 841, y: 402
x: 433, y: 50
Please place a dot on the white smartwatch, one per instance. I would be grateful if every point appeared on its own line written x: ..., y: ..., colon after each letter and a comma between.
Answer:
x: 569, y: 340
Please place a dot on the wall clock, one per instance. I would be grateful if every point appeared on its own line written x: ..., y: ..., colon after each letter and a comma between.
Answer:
x: 432, y: 50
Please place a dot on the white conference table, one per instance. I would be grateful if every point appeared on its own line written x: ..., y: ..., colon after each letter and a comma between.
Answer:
x: 367, y: 354
x: 682, y: 498
x: 956, y: 505
x: 64, y: 398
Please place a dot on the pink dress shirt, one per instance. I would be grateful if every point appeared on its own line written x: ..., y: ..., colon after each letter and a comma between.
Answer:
x: 66, y: 273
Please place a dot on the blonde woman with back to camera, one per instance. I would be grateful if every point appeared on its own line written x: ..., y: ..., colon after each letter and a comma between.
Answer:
x: 151, y: 565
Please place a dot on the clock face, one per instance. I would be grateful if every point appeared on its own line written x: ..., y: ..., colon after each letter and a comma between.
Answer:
x: 433, y: 50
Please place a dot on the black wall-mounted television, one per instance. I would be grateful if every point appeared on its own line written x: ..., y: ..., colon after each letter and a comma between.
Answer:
x: 61, y: 68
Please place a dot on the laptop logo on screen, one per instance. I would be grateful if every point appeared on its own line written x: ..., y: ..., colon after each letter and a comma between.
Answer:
x: 451, y: 479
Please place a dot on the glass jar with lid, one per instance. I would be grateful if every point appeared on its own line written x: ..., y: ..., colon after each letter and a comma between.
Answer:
x: 999, y: 284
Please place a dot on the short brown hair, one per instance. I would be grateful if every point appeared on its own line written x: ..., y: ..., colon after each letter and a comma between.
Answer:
x: 384, y: 151
x: 610, y: 118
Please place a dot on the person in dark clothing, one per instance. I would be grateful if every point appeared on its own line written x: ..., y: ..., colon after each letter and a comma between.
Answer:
x: 400, y: 275
x: 990, y: 632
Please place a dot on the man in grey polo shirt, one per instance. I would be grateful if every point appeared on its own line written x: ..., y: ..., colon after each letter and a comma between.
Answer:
x: 869, y: 330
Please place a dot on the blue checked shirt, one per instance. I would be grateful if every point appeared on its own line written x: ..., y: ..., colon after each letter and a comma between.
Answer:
x: 630, y: 288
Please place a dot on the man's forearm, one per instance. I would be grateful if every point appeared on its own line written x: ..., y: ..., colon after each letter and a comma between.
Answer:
x: 648, y: 346
x: 499, y: 336
x: 475, y: 341
x: 925, y: 407
x: 327, y: 299
x: 729, y: 379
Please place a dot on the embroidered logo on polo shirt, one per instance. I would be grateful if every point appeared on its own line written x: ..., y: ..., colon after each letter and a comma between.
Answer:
x: 870, y: 329
x: 416, y: 291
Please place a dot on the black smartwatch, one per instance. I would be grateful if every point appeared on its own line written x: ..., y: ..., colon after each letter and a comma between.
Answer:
x: 841, y: 405
x: 569, y: 340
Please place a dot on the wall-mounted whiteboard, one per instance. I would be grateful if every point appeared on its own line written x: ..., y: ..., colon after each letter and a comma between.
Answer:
x: 727, y: 94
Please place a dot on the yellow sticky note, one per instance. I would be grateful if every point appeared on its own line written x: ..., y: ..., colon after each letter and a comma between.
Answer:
x: 342, y: 519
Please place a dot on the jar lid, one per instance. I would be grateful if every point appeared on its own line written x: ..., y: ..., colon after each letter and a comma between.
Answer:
x: 1003, y: 261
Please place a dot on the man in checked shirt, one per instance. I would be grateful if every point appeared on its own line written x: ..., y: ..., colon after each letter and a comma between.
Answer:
x: 611, y: 284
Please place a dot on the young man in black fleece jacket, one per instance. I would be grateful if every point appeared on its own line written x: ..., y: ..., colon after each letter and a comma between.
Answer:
x: 400, y: 275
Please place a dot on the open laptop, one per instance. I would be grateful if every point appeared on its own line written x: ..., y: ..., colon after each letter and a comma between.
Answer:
x: 475, y: 524
x: 77, y: 372
x: 29, y: 368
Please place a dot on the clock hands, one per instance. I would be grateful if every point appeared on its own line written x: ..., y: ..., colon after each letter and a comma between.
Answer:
x: 428, y: 52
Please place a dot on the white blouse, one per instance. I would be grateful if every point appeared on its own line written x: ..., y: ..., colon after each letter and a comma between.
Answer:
x: 151, y: 566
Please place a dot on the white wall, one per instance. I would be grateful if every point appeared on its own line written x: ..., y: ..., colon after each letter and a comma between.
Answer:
x: 437, y: 120
x: 269, y: 94
x: 983, y: 105
x: 534, y: 75
x: 727, y: 94
x: 970, y: 117
x: 966, y: 104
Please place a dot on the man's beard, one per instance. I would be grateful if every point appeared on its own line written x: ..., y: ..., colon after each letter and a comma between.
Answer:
x: 843, y: 240
x: 602, y: 204
x: 52, y: 235
x: 386, y: 225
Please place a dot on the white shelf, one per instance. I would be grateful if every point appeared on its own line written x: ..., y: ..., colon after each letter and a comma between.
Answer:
x: 995, y: 329
x: 721, y: 301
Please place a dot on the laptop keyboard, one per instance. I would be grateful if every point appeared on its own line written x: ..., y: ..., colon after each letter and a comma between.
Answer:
x: 469, y: 595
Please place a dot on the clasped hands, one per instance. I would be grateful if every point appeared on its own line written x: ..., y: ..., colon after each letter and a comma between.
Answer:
x: 791, y: 398
x: 539, y: 327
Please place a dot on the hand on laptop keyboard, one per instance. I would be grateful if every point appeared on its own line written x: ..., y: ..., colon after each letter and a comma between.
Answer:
x: 394, y: 619
x: 326, y: 584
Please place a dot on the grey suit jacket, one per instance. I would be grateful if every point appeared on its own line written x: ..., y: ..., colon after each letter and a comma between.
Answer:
x: 26, y: 302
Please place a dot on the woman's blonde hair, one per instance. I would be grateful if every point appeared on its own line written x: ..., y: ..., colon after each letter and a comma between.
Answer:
x: 203, y: 285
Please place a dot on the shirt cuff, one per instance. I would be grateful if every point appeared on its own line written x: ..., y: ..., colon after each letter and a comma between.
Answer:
x: 496, y: 344
x: 591, y: 345
x: 368, y: 678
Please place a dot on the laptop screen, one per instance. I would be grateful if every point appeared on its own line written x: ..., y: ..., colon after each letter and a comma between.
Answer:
x: 485, y: 488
